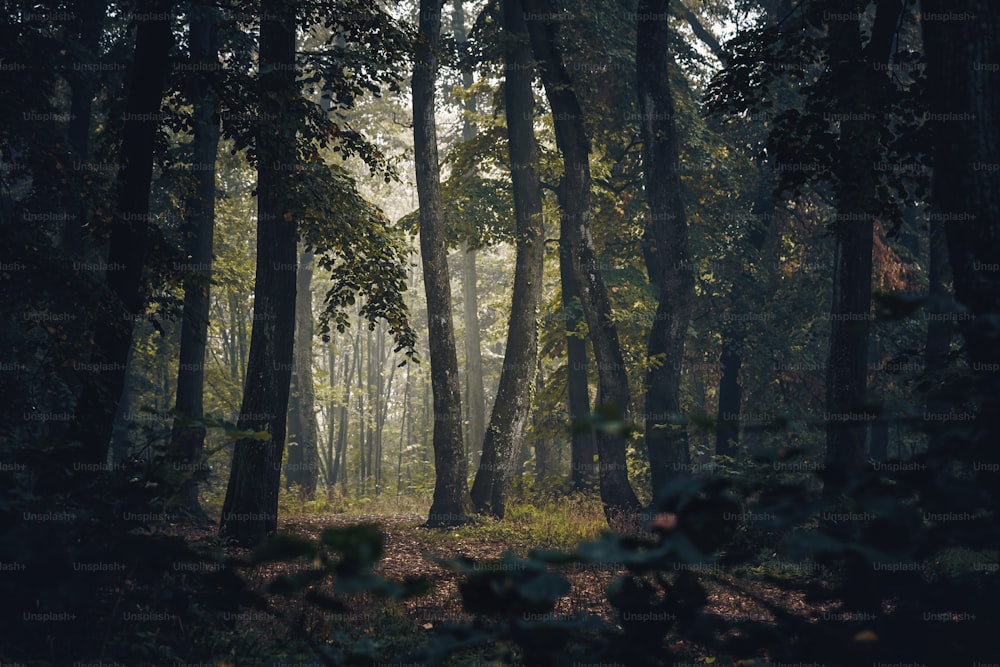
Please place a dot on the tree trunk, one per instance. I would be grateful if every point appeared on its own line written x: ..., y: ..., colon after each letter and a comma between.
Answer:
x: 666, y: 433
x: 504, y: 437
x: 83, y: 87
x: 612, y: 381
x: 850, y: 313
x: 939, y: 328
x: 404, y: 432
x: 727, y: 429
x: 303, y: 455
x: 328, y: 457
x: 385, y: 394
x: 583, y: 446
x: 187, y: 439
x: 546, y: 454
x: 95, y: 410
x: 451, y: 503
x: 962, y: 81
x: 250, y: 510
x: 475, y: 401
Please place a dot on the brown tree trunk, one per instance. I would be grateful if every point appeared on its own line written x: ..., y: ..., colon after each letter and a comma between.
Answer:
x: 666, y: 433
x: 451, y: 501
x: 95, y: 410
x: 504, y: 437
x: 853, y: 70
x: 188, y: 434
x: 250, y: 510
x: 612, y: 385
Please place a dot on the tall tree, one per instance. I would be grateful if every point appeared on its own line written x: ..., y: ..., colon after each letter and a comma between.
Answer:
x: 853, y: 69
x: 129, y: 242
x: 249, y: 512
x: 303, y: 452
x: 503, y: 441
x: 962, y: 43
x: 666, y: 434
x: 475, y: 400
x: 451, y: 501
x: 613, y: 395
x: 188, y: 435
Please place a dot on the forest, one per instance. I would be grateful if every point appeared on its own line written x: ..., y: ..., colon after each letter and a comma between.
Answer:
x: 499, y: 332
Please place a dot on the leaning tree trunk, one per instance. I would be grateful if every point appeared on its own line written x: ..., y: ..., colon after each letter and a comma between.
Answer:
x: 451, y: 502
x: 666, y: 433
x: 847, y: 369
x: 503, y: 441
x: 187, y: 439
x: 250, y: 510
x: 95, y: 410
x: 613, y: 396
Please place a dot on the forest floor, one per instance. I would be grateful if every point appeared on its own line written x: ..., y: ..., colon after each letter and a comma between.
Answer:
x: 414, y: 551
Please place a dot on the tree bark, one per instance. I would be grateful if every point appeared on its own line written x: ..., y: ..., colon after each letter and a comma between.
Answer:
x: 83, y: 86
x: 961, y: 60
x: 303, y: 455
x: 613, y: 396
x: 249, y: 512
x: 451, y: 503
x: 850, y: 313
x: 504, y: 437
x: 666, y: 434
x: 187, y: 439
x: 583, y: 444
x: 475, y: 399
x: 95, y: 410
x: 939, y: 329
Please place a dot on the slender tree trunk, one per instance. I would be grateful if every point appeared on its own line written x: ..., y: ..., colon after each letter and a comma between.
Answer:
x: 612, y: 385
x: 83, y: 87
x: 505, y: 435
x: 385, y: 393
x: 303, y: 457
x: 451, y: 503
x: 847, y: 370
x: 404, y: 432
x: 962, y: 81
x: 250, y: 510
x: 475, y: 401
x: 727, y: 431
x: 583, y: 446
x: 939, y: 328
x: 363, y: 402
x: 188, y: 434
x: 666, y: 433
x: 546, y: 454
x: 95, y: 410
x: 330, y: 411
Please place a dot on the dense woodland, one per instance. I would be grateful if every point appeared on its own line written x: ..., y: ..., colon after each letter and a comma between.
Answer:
x: 505, y: 332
